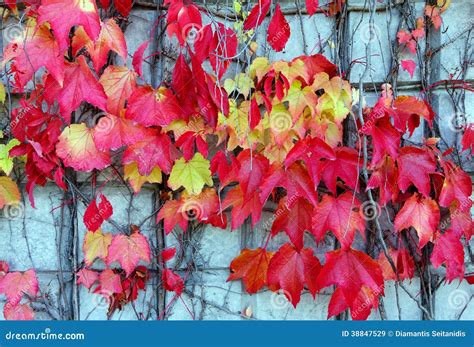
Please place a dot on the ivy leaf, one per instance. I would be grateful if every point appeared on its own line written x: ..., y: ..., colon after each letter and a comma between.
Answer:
x: 384, y: 177
x: 294, y: 218
x: 251, y: 266
x: 153, y: 150
x: 172, y: 282
x: 128, y: 251
x: 77, y: 149
x: 243, y: 207
x: 448, y: 249
x: 95, y: 215
x: 468, y: 137
x: 6, y: 162
x: 312, y: 6
x: 123, y: 6
x: 251, y: 171
x: 81, y: 86
x: 79, y: 12
x: 311, y: 151
x: 409, y: 66
x: 18, y: 312
x: 36, y: 49
x: 415, y: 166
x: 96, y: 245
x: 345, y: 166
x: 295, y: 180
x: 299, y: 98
x: 15, y: 284
x: 9, y: 192
x: 257, y: 14
x: 340, y: 215
x: 404, y: 264
x: 168, y: 254
x: 109, y: 283
x: 119, y: 83
x: 192, y: 174
x: 457, y: 186
x: 137, y: 61
x: 385, y: 138
x: 111, y: 38
x: 420, y: 213
x: 153, y: 107
x: 131, y: 173
x: 113, y: 132
x: 87, y: 277
x: 172, y: 213
x: 290, y: 269
x: 278, y: 30
x: 351, y: 271
x: 408, y: 111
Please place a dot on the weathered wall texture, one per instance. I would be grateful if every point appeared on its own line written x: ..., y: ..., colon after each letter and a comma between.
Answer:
x: 47, y: 239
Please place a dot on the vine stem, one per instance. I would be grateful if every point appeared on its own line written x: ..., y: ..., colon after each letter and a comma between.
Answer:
x: 365, y: 160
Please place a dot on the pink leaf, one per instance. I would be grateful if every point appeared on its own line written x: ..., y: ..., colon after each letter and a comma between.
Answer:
x: 128, y: 251
x: 15, y: 284
x: 18, y: 312
x: 87, y: 277
x: 409, y: 65
x: 137, y: 61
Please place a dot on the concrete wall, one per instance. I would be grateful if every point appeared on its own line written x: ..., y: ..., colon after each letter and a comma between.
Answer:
x: 41, y: 237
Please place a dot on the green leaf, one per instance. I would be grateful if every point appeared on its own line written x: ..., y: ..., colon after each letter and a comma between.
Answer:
x: 6, y: 162
x: 191, y: 175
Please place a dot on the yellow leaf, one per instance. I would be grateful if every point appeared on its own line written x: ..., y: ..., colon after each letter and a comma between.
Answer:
x: 260, y: 66
x: 136, y: 180
x: 6, y: 162
x: 9, y: 192
x: 191, y: 175
x: 96, y: 245
x: 2, y: 93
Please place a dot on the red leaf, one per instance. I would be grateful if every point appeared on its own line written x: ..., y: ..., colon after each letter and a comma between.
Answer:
x: 153, y: 107
x: 351, y: 271
x: 128, y: 251
x: 403, y: 261
x: 290, y: 269
x: 340, y: 215
x: 243, y: 207
x: 168, y: 254
x: 385, y: 177
x: 123, y: 6
x: 457, y: 186
x: 172, y: 282
x: 137, y: 61
x: 278, y: 30
x: 312, y: 6
x: 81, y: 85
x: 415, y: 166
x: 95, y: 215
x: 252, y: 169
x: 468, y: 137
x: 408, y: 111
x: 449, y: 249
x: 346, y: 166
x: 79, y: 12
x: 420, y: 213
x: 251, y: 266
x: 119, y: 83
x: 37, y: 49
x: 18, y: 312
x: 294, y: 218
x: 385, y: 139
x: 153, y: 150
x: 257, y: 15
x: 184, y: 19
x: 409, y: 65
x: 311, y: 151
x: 15, y: 284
